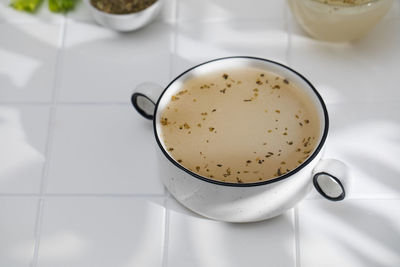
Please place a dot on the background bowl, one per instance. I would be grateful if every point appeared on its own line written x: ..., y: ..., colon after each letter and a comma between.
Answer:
x: 125, y: 22
x: 335, y: 23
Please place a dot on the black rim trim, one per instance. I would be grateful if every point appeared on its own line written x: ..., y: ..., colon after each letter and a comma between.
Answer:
x: 139, y: 109
x: 316, y: 185
x: 301, y: 166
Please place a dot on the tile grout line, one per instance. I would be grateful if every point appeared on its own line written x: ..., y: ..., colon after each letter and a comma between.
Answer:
x: 164, y: 262
x: 289, y: 63
x: 50, y: 104
x: 296, y: 237
x: 173, y: 40
x: 227, y: 20
x: 61, y: 103
x: 160, y: 195
x: 53, y: 113
x: 71, y: 104
x: 77, y: 195
x: 26, y: 21
x: 37, y: 232
x: 49, y: 141
x: 289, y: 35
x: 25, y: 103
x: 53, y: 106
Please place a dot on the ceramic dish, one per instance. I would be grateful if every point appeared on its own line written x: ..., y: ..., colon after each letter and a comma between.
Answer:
x: 125, y: 22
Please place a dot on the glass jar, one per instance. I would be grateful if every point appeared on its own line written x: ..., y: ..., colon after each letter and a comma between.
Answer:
x: 339, y: 20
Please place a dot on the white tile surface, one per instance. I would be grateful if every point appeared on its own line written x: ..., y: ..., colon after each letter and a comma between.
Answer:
x: 197, y: 42
x: 118, y: 232
x: 394, y: 11
x: 81, y: 13
x: 102, y: 153
x: 17, y: 226
x: 23, y: 134
x: 227, y: 9
x: 199, y: 242
x: 168, y: 12
x: 99, y: 65
x: 366, y: 137
x: 360, y: 71
x: 103, y: 149
x: 28, y: 60
x: 356, y: 233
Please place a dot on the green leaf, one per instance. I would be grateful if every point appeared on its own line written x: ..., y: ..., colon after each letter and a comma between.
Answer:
x: 26, y: 5
x: 61, y: 5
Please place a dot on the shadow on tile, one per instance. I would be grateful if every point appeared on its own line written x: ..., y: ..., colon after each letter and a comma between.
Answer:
x: 360, y: 231
x: 368, y: 140
x: 28, y: 54
x: 23, y: 132
x: 102, y: 232
x: 190, y: 10
x: 212, y: 243
x: 235, y: 38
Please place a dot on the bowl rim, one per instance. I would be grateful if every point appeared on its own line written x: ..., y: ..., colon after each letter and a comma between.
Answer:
x: 149, y: 9
x: 289, y: 174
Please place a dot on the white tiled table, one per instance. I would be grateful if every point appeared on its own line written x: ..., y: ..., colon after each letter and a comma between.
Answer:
x: 79, y: 181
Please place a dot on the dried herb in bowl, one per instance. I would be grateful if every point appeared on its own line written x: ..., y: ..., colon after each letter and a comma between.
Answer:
x: 122, y: 6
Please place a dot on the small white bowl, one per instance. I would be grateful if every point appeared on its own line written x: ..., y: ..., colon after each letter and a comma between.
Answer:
x: 125, y: 22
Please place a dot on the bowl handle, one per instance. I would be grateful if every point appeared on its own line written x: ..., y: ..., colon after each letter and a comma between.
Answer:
x: 144, y: 98
x: 331, y: 179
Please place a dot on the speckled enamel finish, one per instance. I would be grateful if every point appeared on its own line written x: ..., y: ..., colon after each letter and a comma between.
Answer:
x: 232, y: 202
x: 236, y: 204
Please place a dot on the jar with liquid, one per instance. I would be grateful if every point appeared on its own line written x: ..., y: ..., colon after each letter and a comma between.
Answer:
x: 339, y: 20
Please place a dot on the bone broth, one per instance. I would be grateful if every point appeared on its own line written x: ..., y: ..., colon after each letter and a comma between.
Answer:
x: 240, y: 125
